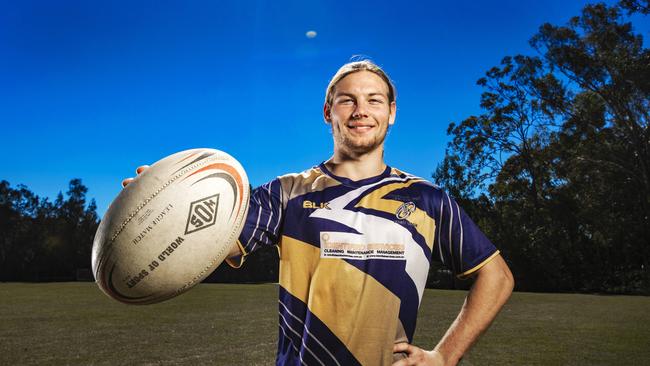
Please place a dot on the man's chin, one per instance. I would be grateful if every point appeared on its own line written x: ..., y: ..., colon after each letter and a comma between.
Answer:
x: 362, y: 148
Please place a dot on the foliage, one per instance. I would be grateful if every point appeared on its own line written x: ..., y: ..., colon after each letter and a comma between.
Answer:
x: 45, y: 240
x: 562, y: 155
x: 52, y: 241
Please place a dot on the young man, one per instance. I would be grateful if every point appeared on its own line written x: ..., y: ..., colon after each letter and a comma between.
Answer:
x: 356, y: 238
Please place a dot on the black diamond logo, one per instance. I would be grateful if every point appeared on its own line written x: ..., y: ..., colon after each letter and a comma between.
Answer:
x: 203, y: 213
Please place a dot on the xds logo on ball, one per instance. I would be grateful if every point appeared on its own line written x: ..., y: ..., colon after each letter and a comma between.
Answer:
x: 203, y: 213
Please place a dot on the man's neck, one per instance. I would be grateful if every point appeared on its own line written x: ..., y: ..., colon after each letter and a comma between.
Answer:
x: 357, y: 167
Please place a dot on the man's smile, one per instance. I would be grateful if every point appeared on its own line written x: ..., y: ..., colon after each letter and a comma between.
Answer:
x: 360, y: 127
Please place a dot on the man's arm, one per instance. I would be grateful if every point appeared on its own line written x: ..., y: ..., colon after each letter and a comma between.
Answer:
x: 491, y: 289
x: 235, y: 251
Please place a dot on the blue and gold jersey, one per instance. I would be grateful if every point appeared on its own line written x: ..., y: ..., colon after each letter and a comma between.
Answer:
x: 354, y: 259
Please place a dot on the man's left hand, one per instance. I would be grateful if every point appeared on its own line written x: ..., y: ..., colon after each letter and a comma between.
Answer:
x: 417, y: 356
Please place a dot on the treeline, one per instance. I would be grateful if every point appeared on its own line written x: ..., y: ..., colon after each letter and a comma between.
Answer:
x: 52, y: 241
x: 556, y: 169
x: 42, y: 240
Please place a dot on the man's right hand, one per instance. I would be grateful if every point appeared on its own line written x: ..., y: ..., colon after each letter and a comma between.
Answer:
x: 140, y: 169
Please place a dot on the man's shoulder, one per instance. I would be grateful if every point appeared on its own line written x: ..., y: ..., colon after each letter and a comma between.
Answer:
x: 429, y: 194
x: 419, y: 181
x: 309, y: 173
x: 309, y: 180
x: 304, y: 177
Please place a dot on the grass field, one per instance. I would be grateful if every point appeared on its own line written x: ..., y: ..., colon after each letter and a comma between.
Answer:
x: 75, y: 324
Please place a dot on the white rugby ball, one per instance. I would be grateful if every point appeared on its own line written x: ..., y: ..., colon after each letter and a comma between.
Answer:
x: 171, y: 226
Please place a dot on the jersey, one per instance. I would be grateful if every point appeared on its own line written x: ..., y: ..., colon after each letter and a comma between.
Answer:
x: 354, y: 259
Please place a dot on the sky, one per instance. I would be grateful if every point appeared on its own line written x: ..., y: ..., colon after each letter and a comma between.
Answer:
x: 92, y: 90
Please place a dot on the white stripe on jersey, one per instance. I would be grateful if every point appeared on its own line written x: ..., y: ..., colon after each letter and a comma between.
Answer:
x: 257, y: 225
x: 268, y: 222
x: 259, y: 217
x: 280, y: 209
x: 294, y: 346
x: 308, y: 332
x: 460, y: 223
x: 451, y: 223
x: 442, y: 258
x: 303, y: 341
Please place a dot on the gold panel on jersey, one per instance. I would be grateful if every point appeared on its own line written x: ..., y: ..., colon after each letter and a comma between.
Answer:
x: 312, y: 180
x: 298, y: 260
x: 423, y: 223
x: 359, y: 310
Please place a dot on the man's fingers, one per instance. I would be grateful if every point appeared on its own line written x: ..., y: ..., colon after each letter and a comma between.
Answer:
x: 141, y: 169
x: 401, y: 347
x: 402, y: 362
x: 417, y: 356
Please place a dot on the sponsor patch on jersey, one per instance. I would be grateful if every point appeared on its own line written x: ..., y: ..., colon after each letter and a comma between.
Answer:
x: 352, y: 246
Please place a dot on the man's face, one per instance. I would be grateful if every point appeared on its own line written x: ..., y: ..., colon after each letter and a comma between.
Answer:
x: 360, y: 113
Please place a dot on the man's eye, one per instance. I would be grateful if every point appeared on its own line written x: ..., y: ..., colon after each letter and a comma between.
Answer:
x: 345, y: 101
x: 375, y: 101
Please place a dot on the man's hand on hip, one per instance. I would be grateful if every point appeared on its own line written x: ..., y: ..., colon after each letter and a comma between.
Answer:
x: 417, y: 356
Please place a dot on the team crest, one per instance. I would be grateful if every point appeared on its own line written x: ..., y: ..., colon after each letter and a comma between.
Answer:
x: 405, y: 210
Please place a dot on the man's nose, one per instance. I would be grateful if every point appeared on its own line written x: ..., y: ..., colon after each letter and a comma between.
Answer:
x: 360, y: 110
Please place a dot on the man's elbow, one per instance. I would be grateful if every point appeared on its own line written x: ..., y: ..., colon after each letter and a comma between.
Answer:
x: 506, y: 279
x: 509, y: 281
x: 502, y: 277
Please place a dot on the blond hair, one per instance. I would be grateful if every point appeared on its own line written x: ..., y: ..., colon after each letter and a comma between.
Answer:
x: 356, y: 66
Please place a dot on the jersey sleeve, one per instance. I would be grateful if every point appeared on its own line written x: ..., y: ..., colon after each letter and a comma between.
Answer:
x: 461, y: 245
x: 263, y: 221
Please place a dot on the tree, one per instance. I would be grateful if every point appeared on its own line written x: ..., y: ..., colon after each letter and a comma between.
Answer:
x: 43, y: 240
x: 606, y: 62
x: 18, y: 207
x: 633, y: 6
x: 562, y: 153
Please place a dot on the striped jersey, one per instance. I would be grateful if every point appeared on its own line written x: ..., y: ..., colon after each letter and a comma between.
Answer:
x: 354, y: 259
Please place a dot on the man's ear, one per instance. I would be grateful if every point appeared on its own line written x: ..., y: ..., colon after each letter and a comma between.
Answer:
x: 327, y: 113
x: 393, y: 111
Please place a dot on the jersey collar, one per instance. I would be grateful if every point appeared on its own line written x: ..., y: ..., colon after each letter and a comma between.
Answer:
x: 356, y: 183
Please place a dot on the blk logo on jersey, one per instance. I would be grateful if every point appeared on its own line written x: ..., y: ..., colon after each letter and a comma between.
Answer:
x: 203, y: 213
x: 312, y: 204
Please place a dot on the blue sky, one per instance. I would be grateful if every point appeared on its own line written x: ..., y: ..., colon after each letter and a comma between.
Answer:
x: 91, y: 90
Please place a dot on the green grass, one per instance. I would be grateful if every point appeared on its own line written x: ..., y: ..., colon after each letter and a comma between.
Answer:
x: 549, y: 329
x: 74, y: 323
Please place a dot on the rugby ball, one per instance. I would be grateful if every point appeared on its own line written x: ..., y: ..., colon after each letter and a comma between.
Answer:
x: 171, y: 226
